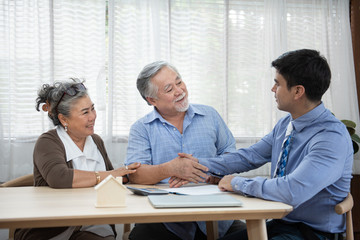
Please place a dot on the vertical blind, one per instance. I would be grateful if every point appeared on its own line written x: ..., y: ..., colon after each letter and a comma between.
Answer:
x: 222, y: 48
x: 44, y: 42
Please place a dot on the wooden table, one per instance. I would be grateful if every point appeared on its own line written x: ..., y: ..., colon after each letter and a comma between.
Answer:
x: 27, y: 207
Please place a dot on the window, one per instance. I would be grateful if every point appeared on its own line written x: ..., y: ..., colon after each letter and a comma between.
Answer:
x: 222, y: 48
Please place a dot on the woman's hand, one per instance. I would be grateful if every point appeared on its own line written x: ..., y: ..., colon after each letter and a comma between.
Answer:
x: 122, y: 171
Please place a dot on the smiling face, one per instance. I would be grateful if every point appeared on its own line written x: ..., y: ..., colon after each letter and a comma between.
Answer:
x: 81, y: 122
x: 172, y: 95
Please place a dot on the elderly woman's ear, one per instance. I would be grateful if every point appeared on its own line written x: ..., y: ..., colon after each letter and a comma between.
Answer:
x: 62, y: 119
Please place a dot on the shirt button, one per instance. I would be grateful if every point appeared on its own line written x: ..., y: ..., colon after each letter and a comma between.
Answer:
x: 236, y: 186
x: 163, y: 124
x: 174, y: 129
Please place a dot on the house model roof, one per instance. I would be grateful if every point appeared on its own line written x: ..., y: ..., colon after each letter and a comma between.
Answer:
x: 107, y: 179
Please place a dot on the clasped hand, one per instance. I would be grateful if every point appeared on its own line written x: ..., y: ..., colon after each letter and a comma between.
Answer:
x: 190, y: 170
x: 187, y: 168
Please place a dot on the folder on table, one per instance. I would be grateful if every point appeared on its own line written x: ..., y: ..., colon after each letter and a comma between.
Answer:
x: 188, y: 201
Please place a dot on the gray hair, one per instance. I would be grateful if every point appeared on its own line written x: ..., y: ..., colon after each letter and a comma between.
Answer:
x: 50, y: 95
x: 144, y: 84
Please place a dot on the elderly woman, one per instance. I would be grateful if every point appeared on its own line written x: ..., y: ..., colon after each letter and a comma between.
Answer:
x: 71, y: 155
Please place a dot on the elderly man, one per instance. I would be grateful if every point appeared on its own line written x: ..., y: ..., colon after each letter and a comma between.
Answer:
x: 174, y: 127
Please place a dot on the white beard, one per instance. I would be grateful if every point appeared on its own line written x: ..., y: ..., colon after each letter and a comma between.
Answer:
x: 184, y: 106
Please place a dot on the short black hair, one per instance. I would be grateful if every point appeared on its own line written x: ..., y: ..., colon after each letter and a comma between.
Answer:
x: 305, y: 67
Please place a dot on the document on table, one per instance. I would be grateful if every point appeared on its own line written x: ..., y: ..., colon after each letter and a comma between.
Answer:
x: 186, y: 201
x: 206, y: 189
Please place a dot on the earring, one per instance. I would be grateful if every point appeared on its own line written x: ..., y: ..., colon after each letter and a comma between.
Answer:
x: 65, y: 127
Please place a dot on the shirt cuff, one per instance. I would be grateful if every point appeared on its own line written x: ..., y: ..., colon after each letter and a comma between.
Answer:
x: 214, y: 165
x: 238, y: 185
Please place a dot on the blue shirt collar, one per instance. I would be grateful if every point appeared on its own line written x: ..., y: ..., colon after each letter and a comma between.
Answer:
x: 190, y: 113
x: 308, y: 118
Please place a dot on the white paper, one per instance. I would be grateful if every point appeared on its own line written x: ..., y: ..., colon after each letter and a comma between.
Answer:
x: 207, y: 189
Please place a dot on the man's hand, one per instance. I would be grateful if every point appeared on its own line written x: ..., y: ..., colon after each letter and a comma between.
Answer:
x: 177, y: 182
x: 188, y: 156
x: 186, y: 168
x: 225, y: 183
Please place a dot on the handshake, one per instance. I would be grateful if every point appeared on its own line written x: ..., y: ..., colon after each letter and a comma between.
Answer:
x: 186, y: 168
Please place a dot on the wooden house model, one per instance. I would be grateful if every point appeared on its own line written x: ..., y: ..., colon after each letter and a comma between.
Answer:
x: 111, y: 193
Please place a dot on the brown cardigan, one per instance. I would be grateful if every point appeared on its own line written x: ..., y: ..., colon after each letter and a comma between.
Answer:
x: 50, y: 166
x: 52, y: 169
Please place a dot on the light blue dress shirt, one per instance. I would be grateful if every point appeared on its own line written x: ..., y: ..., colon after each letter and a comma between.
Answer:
x: 318, y: 170
x: 153, y: 141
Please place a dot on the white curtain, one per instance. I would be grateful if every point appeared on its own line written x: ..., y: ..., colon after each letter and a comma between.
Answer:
x: 222, y: 48
x: 44, y: 41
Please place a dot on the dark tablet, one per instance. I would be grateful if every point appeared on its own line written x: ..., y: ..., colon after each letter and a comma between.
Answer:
x: 147, y: 191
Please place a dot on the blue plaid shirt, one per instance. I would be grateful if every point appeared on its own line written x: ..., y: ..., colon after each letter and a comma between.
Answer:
x: 153, y: 141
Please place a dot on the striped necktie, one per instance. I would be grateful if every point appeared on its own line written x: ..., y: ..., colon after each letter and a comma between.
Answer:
x: 281, y: 165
